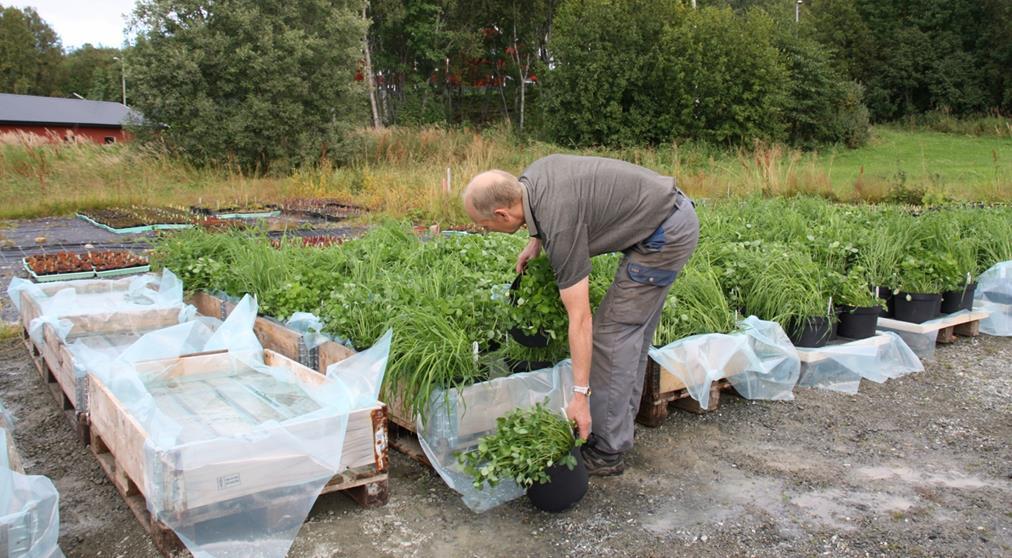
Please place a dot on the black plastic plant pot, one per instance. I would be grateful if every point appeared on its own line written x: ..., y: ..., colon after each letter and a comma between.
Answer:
x: 537, y: 340
x: 858, y: 322
x: 886, y: 294
x: 917, y: 308
x: 814, y: 331
x: 564, y: 488
x: 952, y: 301
x: 967, y: 303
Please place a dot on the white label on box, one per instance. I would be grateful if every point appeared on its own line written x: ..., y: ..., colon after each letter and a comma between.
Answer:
x: 228, y: 481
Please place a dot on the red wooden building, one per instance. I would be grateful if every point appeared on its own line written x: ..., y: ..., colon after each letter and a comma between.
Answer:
x: 66, y: 119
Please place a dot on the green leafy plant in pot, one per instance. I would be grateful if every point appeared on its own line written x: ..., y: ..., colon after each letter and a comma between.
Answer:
x: 918, y: 296
x: 858, y: 305
x: 536, y: 448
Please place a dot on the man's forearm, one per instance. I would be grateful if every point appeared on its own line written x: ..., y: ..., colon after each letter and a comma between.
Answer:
x: 581, y: 347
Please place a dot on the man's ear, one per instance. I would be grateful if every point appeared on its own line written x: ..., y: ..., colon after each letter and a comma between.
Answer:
x: 501, y: 214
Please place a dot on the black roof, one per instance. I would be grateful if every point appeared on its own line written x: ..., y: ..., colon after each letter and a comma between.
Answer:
x: 30, y: 109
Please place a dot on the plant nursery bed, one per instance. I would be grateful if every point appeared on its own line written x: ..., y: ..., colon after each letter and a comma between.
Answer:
x: 963, y: 324
x: 194, y: 496
x: 818, y: 354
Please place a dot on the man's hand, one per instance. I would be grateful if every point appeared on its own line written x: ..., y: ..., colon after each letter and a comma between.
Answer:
x: 579, y: 410
x: 529, y: 252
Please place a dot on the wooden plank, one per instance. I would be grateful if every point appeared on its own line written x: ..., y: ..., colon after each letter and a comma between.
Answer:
x: 935, y: 324
x: 207, y: 304
x: 278, y: 338
x: 329, y: 353
x: 946, y: 335
x: 969, y: 329
x: 818, y: 354
x: 406, y: 442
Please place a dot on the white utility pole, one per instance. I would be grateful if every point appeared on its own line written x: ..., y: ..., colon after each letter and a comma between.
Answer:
x: 122, y: 75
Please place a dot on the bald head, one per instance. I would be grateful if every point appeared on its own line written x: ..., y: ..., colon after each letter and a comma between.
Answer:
x: 491, y: 190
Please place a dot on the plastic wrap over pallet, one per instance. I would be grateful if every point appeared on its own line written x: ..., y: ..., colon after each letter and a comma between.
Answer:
x: 457, y: 419
x: 236, y: 446
x: 29, y: 512
x: 922, y: 344
x: 363, y: 372
x: 759, y: 361
x: 841, y: 367
x: 994, y: 294
x: 99, y: 296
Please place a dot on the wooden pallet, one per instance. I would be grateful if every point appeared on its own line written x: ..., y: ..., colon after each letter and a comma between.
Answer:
x: 44, y: 365
x: 118, y: 442
x: 949, y: 327
x: 663, y: 390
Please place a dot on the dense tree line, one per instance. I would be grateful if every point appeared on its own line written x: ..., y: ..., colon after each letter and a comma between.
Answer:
x: 277, y: 82
x: 33, y: 61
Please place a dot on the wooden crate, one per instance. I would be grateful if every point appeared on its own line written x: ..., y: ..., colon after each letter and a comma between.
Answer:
x: 55, y: 362
x: 948, y: 326
x: 275, y: 336
x: 215, y: 490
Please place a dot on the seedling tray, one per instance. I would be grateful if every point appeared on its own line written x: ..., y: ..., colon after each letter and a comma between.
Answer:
x: 256, y: 215
x: 50, y: 277
x: 135, y: 230
x: 123, y: 271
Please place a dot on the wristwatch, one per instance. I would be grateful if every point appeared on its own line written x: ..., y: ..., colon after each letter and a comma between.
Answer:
x: 585, y: 390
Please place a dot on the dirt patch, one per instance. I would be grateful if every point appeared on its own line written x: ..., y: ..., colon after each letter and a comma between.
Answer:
x: 918, y: 466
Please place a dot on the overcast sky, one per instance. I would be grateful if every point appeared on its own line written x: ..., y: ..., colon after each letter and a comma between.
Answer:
x: 99, y: 22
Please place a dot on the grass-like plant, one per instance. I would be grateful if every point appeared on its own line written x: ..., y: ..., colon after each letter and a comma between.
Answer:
x: 695, y: 305
x: 525, y: 444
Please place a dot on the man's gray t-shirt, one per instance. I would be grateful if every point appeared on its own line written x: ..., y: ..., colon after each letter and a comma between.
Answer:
x: 580, y: 207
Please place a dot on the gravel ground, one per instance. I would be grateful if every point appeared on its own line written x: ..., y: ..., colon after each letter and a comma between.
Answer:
x: 919, y: 466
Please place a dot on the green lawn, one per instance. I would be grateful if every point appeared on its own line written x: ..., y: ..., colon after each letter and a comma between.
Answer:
x: 950, y: 162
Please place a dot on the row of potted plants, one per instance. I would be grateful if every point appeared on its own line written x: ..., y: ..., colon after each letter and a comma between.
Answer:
x: 448, y: 298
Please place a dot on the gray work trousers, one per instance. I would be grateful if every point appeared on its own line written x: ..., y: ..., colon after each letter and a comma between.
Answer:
x: 624, y: 326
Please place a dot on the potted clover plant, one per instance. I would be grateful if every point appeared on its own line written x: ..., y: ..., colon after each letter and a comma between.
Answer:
x: 858, y: 305
x: 535, y: 447
x: 918, y: 295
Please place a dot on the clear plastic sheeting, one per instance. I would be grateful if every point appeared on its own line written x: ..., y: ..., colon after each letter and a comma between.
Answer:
x: 994, y: 295
x: 363, y: 373
x: 759, y: 361
x: 457, y: 419
x: 29, y: 512
x: 840, y: 367
x: 922, y: 344
x: 310, y: 326
x: 237, y: 444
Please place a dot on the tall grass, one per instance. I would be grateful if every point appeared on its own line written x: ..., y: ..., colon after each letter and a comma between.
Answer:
x: 418, y: 173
